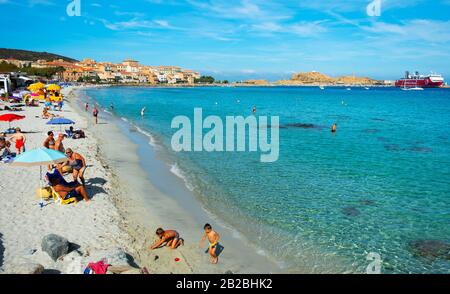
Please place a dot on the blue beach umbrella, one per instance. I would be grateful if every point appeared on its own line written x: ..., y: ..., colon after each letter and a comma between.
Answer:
x: 39, y: 157
x: 60, y: 121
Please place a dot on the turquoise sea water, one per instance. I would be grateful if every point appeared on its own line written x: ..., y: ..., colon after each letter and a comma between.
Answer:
x: 379, y: 184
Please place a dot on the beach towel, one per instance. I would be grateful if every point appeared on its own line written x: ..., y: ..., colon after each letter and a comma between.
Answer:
x: 99, y: 268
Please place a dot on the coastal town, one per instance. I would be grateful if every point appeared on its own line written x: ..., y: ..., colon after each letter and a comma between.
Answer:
x: 129, y: 71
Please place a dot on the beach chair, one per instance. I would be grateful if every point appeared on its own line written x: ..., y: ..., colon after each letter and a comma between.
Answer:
x: 60, y: 199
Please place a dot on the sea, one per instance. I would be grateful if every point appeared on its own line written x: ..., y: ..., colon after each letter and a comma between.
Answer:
x: 374, y: 196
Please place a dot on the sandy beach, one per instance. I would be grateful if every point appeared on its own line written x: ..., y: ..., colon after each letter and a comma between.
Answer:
x: 124, y: 210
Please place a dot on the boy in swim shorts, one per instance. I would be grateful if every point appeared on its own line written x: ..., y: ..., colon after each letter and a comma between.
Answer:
x: 214, y: 248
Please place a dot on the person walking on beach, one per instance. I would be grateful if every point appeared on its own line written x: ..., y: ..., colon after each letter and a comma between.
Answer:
x: 170, y: 237
x: 214, y: 248
x: 86, y: 106
x: 143, y: 112
x: 95, y: 114
x: 19, y: 139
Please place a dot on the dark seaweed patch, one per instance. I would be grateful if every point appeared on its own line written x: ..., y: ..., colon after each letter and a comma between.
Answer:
x: 350, y: 211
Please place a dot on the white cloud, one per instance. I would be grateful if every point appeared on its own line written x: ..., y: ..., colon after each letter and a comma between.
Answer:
x: 417, y: 29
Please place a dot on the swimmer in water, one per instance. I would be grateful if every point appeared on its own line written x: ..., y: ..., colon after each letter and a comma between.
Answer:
x: 333, y: 128
x: 254, y: 109
x: 143, y: 111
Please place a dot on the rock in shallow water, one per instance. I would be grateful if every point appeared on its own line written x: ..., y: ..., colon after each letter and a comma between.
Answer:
x: 55, y: 246
x: 350, y: 211
x: 430, y: 249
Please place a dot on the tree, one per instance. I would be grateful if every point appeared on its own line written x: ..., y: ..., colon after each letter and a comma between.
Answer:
x: 7, y: 67
x: 205, y: 80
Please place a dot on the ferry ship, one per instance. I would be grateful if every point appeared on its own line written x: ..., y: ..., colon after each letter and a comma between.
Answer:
x: 417, y: 80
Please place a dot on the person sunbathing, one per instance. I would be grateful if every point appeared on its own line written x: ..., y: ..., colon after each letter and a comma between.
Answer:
x: 66, y: 190
x: 170, y: 237
x: 49, y: 142
x: 75, y: 134
x: 46, y: 114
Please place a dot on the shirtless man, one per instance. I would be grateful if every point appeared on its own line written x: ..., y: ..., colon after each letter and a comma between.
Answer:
x: 171, y: 237
x: 19, y: 139
x: 213, y: 238
x: 59, y: 146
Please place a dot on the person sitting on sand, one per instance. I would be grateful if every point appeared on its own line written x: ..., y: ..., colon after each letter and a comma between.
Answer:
x: 49, y: 142
x: 75, y: 134
x: 46, y: 114
x: 213, y: 238
x: 78, y: 164
x: 19, y: 139
x: 171, y: 237
x: 4, y: 146
x: 67, y: 191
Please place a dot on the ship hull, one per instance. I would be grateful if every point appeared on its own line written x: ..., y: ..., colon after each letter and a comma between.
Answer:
x: 423, y: 83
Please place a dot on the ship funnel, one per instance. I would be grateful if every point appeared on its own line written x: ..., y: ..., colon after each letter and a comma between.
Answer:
x: 406, y: 74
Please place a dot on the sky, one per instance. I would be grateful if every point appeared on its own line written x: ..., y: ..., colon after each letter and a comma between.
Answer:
x: 241, y: 39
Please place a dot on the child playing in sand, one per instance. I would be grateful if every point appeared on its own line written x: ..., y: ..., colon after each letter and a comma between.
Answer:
x: 171, y: 237
x: 213, y: 238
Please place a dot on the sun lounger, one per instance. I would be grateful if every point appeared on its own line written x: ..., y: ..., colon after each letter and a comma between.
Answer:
x: 60, y: 199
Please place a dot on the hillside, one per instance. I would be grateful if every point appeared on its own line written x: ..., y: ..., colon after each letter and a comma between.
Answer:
x: 31, y: 55
x: 317, y: 78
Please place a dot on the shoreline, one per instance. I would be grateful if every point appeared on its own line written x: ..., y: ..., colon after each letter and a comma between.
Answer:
x: 166, y: 203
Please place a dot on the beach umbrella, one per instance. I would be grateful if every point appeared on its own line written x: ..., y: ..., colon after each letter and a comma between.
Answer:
x: 36, y: 86
x: 60, y: 121
x: 53, y: 87
x: 39, y: 157
x: 9, y: 117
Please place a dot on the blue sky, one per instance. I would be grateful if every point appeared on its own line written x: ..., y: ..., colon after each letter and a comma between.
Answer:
x: 239, y: 39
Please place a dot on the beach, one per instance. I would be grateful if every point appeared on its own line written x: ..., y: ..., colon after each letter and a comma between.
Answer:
x: 116, y: 217
x: 293, y: 217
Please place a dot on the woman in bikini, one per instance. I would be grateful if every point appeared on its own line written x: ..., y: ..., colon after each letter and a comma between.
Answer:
x: 78, y: 164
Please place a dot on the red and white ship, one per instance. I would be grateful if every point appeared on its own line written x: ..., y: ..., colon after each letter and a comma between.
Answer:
x: 416, y: 80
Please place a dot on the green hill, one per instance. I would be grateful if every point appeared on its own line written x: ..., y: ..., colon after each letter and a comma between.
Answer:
x: 31, y: 55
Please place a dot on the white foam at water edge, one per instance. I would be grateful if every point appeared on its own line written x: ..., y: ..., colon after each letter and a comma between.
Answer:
x: 177, y: 171
x: 124, y: 119
x: 107, y: 111
x: 152, y: 141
